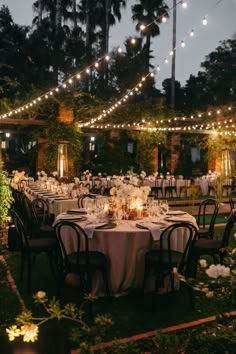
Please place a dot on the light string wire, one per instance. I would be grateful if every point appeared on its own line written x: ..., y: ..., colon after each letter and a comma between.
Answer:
x: 198, y: 116
x: 70, y: 81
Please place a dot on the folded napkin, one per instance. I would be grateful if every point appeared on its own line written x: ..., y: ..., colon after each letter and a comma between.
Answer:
x: 71, y: 217
x: 179, y: 218
x: 89, y: 228
x: 155, y: 229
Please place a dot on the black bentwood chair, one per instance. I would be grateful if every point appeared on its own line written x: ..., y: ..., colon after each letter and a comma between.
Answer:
x: 214, y: 248
x: 160, y: 262
x: 81, y: 261
x: 208, y: 209
x: 31, y: 247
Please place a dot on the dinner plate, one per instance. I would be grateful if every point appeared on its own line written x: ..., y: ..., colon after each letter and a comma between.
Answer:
x: 67, y: 217
x: 176, y: 212
x: 110, y: 225
x: 77, y: 211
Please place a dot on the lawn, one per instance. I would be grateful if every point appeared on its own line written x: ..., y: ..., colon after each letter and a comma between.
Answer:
x: 132, y: 314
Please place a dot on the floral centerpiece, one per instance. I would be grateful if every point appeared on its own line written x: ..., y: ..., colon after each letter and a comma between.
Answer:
x: 129, y: 196
x: 18, y: 176
x: 86, y: 175
x: 42, y: 176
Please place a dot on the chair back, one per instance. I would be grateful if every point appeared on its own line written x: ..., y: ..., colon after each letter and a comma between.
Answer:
x: 232, y: 200
x: 228, y: 229
x: 209, y: 204
x: 40, y: 209
x: 75, y: 232
x: 20, y: 228
x: 81, y: 199
x: 170, y: 236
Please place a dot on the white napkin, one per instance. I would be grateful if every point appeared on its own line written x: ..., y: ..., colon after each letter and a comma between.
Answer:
x: 89, y: 228
x: 153, y: 228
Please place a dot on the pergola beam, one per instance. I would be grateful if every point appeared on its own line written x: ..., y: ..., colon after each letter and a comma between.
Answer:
x: 24, y: 122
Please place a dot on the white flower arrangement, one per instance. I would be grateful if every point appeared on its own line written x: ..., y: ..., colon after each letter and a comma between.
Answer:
x: 18, y: 176
x: 129, y: 195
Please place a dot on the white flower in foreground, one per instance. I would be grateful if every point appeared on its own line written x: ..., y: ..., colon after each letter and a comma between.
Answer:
x: 215, y: 271
x: 210, y: 294
x: 203, y: 263
x: 29, y: 332
x: 41, y: 294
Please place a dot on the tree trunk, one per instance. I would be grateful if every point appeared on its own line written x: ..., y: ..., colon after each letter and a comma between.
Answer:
x: 74, y: 13
x: 40, y: 11
x: 106, y: 40
x: 58, y: 15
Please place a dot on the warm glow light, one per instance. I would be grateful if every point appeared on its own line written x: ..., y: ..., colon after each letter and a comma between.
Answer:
x: 191, y: 34
x: 158, y: 68
x: 133, y: 40
x: 119, y: 50
x: 142, y: 27
x: 204, y: 21
x: 182, y: 44
x: 184, y: 4
x: 166, y: 61
x: 164, y: 19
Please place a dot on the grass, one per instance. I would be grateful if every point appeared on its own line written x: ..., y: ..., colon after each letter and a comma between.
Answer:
x: 131, y: 314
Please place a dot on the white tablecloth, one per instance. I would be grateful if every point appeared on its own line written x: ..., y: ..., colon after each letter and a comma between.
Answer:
x: 125, y: 246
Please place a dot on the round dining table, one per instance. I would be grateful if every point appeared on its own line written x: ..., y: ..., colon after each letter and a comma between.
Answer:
x: 125, y: 245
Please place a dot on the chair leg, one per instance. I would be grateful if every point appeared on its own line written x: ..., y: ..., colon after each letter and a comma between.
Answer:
x: 106, y: 281
x: 28, y: 274
x: 22, y: 266
x: 145, y: 276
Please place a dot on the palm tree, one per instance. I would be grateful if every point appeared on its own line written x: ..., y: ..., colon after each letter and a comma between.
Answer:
x: 149, y: 12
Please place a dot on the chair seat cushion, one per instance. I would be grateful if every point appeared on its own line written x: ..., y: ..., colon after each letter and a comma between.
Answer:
x: 206, y: 244
x: 47, y: 231
x: 42, y: 243
x: 155, y: 258
x: 96, y: 259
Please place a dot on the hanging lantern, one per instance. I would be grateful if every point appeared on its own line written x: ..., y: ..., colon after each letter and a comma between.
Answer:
x: 62, y: 160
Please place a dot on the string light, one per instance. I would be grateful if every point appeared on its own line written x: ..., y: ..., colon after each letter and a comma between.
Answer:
x: 191, y: 34
x: 204, y: 21
x: 182, y: 44
x: 184, y: 4
x: 163, y: 18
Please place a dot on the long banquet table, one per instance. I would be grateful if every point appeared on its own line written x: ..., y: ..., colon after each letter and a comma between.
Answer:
x: 125, y: 246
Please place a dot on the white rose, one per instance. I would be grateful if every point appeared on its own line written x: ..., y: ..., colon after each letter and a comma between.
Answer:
x: 215, y: 271
x: 41, y: 294
x: 203, y: 263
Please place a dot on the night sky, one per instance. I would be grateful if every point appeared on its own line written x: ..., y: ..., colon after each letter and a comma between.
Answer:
x: 221, y: 25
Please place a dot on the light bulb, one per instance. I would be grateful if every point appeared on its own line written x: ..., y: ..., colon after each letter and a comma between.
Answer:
x: 204, y: 21
x: 142, y: 27
x: 133, y: 40
x: 191, y: 34
x: 158, y: 68
x: 182, y: 44
x: 166, y: 61
x: 119, y: 50
x: 184, y: 4
x: 164, y: 19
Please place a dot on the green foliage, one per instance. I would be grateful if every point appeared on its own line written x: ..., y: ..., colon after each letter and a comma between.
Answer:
x: 146, y: 142
x: 56, y: 132
x: 5, y: 198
